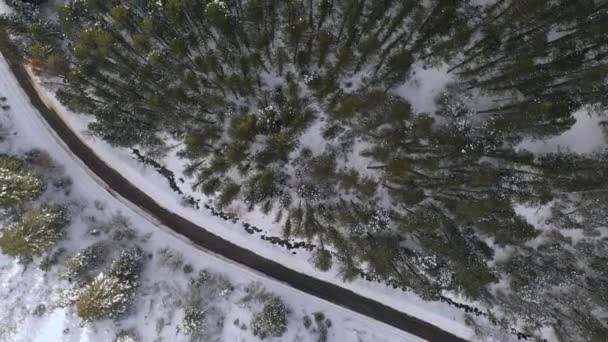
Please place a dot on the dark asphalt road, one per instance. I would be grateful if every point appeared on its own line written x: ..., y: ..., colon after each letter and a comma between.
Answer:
x: 216, y: 244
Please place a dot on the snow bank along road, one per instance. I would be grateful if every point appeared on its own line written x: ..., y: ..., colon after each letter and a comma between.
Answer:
x: 201, y: 237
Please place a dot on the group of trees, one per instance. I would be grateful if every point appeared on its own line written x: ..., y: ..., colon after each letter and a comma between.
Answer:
x: 246, y: 84
x: 108, y: 294
x: 31, y: 230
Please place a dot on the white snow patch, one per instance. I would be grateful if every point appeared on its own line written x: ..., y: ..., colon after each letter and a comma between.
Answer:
x: 4, y: 9
x: 536, y: 216
x: 312, y: 138
x: 585, y: 136
x: 422, y: 89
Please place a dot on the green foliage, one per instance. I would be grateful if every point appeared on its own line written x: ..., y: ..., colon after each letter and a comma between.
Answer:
x: 120, y: 15
x: 195, y: 143
x: 39, y: 51
x: 280, y: 144
x: 399, y: 65
x: 322, y: 259
x: 17, y: 185
x: 37, y: 231
x: 106, y: 296
x: 244, y: 128
x: 473, y: 280
x: 228, y: 194
x: 56, y: 64
x: 247, y: 86
x: 82, y: 266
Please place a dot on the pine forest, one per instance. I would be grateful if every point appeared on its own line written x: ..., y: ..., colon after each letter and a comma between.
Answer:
x: 295, y: 108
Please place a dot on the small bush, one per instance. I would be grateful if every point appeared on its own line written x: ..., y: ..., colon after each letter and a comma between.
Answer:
x: 171, y: 259
x: 323, y: 325
x: 307, y: 322
x: 319, y: 316
x: 323, y: 333
x: 188, y: 269
x: 272, y: 321
x: 129, y: 264
x: 193, y: 321
x: 63, y: 183
x: 125, y: 336
x: 322, y: 260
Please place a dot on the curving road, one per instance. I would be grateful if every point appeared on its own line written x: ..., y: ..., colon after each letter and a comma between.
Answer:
x: 203, y: 238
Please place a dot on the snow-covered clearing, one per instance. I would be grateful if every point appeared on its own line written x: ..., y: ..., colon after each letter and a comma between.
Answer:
x: 149, y: 181
x: 585, y: 136
x: 24, y: 288
x: 424, y: 87
x: 4, y: 8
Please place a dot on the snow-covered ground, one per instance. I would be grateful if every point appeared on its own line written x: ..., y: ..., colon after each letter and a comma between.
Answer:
x: 23, y: 288
x: 423, y: 87
x: 4, y: 8
x: 585, y: 136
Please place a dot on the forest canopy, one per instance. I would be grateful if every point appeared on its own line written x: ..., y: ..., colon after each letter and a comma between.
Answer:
x: 278, y: 104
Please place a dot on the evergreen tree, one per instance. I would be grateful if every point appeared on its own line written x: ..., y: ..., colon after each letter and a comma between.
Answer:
x: 17, y: 185
x: 272, y: 321
x: 34, y: 233
x: 82, y: 266
x: 559, y: 283
x: 322, y: 259
x: 106, y: 296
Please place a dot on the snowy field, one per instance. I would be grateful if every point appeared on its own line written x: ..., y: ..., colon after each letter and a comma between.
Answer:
x: 164, y: 291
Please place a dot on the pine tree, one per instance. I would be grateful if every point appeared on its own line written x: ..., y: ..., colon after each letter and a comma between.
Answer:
x: 82, y: 266
x: 27, y: 9
x: 322, y: 260
x: 106, y: 296
x: 559, y: 282
x: 17, y: 185
x: 272, y: 321
x: 34, y: 233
